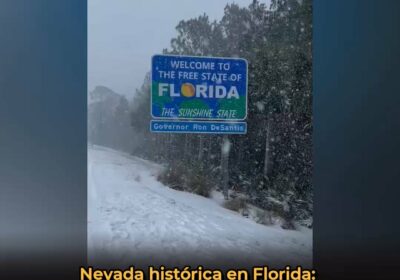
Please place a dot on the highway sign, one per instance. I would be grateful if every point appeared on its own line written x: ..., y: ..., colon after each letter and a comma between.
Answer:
x: 198, y: 88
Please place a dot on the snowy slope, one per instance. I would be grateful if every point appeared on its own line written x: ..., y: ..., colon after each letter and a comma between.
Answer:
x: 133, y: 218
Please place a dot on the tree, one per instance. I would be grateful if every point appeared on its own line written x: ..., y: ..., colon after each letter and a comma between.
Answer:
x: 273, y: 161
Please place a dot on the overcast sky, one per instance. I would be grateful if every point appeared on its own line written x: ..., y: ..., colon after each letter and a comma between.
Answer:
x: 124, y: 34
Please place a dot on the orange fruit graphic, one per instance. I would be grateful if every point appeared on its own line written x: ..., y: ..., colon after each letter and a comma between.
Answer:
x: 187, y: 90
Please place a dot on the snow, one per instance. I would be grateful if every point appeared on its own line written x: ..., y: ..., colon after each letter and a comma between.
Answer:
x: 133, y: 218
x: 260, y: 106
x: 226, y: 146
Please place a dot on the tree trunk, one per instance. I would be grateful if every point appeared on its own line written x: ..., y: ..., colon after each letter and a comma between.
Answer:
x: 201, y: 148
x: 185, y: 151
x: 225, y: 148
x: 267, y: 162
x: 209, y: 147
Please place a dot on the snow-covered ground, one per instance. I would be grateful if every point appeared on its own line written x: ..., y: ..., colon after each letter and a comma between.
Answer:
x: 133, y: 219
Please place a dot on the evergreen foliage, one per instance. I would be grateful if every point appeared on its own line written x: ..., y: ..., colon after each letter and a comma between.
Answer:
x: 272, y: 164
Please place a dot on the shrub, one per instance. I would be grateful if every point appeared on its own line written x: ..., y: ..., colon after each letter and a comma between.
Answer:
x: 263, y: 217
x: 237, y: 204
x: 185, y: 178
x: 173, y: 177
x: 199, y: 184
x: 289, y: 225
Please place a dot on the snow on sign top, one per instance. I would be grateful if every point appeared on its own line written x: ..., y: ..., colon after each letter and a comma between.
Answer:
x: 203, y: 88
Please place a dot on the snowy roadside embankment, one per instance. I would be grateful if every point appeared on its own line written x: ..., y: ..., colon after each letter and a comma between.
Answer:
x: 132, y: 217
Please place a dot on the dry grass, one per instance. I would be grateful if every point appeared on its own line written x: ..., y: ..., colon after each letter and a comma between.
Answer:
x: 237, y: 204
x: 179, y: 178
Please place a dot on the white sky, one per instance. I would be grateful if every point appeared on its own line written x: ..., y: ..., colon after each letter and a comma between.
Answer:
x: 124, y: 34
